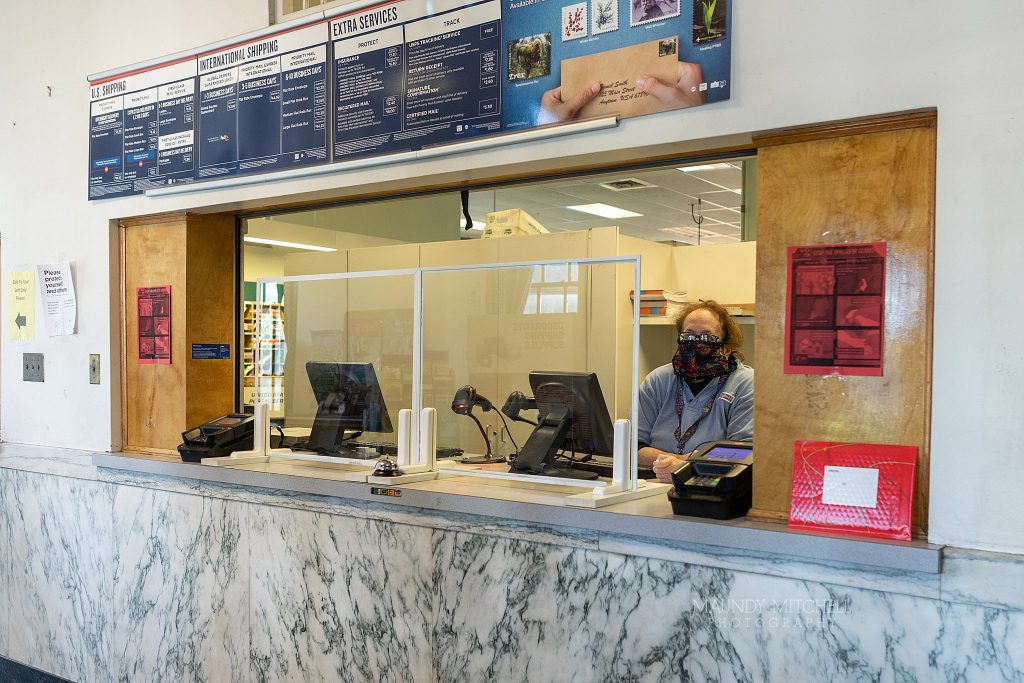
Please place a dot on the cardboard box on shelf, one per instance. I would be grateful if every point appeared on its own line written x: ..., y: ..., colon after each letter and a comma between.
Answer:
x: 511, y: 223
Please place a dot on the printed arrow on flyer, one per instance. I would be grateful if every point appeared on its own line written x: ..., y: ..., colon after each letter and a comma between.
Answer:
x: 20, y: 320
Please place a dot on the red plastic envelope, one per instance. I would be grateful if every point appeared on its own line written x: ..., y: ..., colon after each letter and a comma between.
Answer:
x: 854, y: 488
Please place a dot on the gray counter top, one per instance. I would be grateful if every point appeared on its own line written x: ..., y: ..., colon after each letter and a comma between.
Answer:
x: 649, y: 518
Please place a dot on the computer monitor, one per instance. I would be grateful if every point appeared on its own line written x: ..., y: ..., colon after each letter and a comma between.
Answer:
x: 572, y: 416
x: 348, y: 403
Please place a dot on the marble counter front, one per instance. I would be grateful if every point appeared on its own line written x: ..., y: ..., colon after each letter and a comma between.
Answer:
x: 647, y: 518
x: 110, y: 574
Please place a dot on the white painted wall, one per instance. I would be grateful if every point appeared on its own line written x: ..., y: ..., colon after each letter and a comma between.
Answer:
x: 46, y: 52
x: 819, y: 61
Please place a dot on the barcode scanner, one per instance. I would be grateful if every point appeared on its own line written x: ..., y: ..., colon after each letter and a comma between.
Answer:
x: 517, y: 402
x: 466, y: 397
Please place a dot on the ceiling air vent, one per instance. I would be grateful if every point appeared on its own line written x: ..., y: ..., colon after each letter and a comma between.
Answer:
x: 626, y: 184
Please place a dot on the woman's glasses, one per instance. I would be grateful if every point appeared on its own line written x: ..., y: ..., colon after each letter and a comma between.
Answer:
x: 690, y: 337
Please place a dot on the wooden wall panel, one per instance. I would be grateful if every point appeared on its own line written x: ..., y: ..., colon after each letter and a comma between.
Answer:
x: 865, y: 184
x: 154, y: 395
x: 210, y: 315
x: 195, y: 255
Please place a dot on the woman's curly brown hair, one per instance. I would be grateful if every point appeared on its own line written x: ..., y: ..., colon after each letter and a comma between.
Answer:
x: 731, y: 332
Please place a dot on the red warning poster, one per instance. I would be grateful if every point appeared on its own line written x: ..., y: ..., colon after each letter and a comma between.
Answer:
x: 835, y: 309
x: 154, y: 308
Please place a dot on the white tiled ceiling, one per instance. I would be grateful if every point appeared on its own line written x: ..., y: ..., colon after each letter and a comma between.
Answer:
x: 665, y: 205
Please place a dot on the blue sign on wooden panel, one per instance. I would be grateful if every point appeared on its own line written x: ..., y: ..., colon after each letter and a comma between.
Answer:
x: 211, y: 351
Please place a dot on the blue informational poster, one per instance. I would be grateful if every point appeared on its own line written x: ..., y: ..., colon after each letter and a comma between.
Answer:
x: 211, y: 352
x: 566, y: 59
x: 263, y: 104
x: 415, y: 73
x: 402, y: 76
x: 142, y: 136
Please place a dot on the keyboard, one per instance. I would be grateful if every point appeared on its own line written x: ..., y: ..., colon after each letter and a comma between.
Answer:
x: 365, y: 450
x: 374, y: 450
x: 602, y: 466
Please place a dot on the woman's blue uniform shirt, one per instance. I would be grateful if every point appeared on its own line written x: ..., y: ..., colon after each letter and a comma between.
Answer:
x: 731, y: 417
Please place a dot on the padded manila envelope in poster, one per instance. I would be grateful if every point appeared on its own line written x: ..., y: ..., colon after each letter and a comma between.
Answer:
x: 617, y: 71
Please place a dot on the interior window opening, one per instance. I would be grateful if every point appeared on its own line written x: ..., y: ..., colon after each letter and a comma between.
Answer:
x: 702, y: 213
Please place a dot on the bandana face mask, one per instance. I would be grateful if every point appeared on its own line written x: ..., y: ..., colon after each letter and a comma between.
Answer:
x: 700, y: 357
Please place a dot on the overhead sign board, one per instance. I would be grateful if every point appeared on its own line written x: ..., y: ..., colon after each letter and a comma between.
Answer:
x: 402, y: 76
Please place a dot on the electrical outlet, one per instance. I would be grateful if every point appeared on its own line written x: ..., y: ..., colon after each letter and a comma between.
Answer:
x: 33, y: 367
x: 94, y: 368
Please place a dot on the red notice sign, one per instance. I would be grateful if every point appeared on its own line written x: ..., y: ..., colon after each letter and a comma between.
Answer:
x: 835, y: 309
x: 154, y: 309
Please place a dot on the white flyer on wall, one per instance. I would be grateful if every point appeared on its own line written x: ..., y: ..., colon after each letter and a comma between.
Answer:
x: 59, y: 303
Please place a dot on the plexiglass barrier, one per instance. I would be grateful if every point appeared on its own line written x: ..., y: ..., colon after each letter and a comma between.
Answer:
x: 529, y: 367
x: 523, y: 372
x: 334, y: 363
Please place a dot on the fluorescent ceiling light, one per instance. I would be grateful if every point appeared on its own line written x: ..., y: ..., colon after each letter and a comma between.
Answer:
x: 477, y: 225
x: 704, y: 167
x: 605, y: 210
x: 291, y: 245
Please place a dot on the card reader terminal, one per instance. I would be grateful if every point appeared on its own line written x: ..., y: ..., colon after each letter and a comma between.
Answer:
x: 716, y: 481
x: 220, y: 437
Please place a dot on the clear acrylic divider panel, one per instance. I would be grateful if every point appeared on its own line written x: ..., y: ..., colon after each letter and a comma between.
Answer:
x: 490, y: 328
x: 335, y: 353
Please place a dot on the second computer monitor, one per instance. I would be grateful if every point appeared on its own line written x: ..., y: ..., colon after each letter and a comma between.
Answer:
x: 348, y: 402
x: 591, y: 431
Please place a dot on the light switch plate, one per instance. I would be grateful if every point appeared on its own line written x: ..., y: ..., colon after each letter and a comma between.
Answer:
x: 94, y: 368
x: 33, y: 367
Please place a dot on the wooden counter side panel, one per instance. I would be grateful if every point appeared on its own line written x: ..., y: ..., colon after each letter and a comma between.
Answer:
x: 862, y: 188
x: 154, y: 395
x: 210, y: 308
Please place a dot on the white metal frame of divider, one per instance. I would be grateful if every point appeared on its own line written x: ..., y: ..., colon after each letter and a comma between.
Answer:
x: 417, y: 442
x: 624, y: 457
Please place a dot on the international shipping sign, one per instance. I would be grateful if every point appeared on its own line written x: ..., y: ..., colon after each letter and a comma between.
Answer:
x: 263, y: 104
x: 402, y: 76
